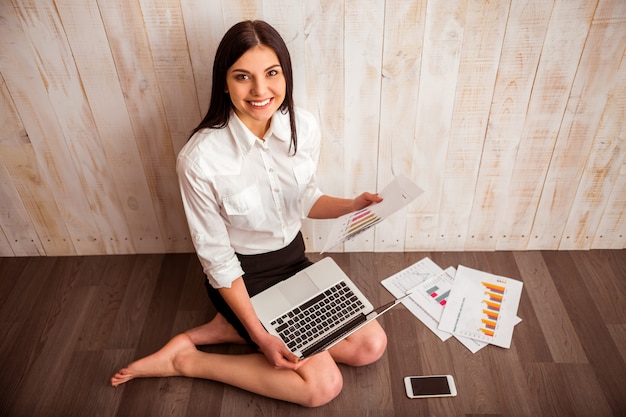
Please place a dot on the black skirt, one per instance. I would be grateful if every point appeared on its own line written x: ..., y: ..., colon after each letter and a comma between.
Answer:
x: 260, y: 272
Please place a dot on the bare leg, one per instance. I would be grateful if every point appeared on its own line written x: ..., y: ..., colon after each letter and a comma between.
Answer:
x: 315, y: 383
x: 217, y: 331
x: 363, y: 347
x: 160, y: 363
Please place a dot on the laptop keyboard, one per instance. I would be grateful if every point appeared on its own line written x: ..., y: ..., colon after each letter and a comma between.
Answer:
x: 316, y: 317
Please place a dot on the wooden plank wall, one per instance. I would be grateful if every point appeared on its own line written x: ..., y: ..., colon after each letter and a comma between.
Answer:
x: 511, y: 114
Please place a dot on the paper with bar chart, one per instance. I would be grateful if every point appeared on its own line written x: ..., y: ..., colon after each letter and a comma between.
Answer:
x: 433, y: 293
x: 407, y: 280
x: 482, y: 306
x: 428, y: 300
x: 396, y: 195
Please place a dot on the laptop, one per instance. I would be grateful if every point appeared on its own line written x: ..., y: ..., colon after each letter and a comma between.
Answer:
x: 316, y: 308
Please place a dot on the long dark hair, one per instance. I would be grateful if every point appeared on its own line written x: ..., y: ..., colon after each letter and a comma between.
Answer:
x: 237, y: 40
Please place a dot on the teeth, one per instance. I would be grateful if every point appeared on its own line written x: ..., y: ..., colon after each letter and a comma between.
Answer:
x: 260, y: 103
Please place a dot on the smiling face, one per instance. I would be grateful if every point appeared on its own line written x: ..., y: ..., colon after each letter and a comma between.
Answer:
x: 256, y: 85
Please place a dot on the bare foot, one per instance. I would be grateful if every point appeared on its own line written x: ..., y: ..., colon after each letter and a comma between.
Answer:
x: 159, y: 364
x: 217, y: 331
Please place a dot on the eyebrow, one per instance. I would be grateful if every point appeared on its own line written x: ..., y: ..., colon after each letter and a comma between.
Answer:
x: 248, y: 72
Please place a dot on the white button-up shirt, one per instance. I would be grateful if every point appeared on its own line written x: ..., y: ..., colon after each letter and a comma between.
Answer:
x: 246, y: 195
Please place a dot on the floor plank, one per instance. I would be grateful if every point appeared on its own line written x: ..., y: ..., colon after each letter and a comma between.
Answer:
x: 557, y: 330
x: 592, y: 331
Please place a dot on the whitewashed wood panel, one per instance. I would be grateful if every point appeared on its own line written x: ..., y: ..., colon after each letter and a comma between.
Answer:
x: 204, y: 26
x: 103, y: 93
x: 5, y: 248
x: 611, y: 230
x: 601, y: 197
x: 168, y: 42
x: 509, y: 114
x: 482, y: 44
x: 19, y: 237
x: 235, y: 11
x: 525, y: 33
x: 363, y: 46
x: 86, y: 158
x: 441, y: 56
x: 604, y: 48
x: 130, y: 46
x: 402, y: 58
x: 47, y: 172
x: 324, y: 51
x: 557, y: 68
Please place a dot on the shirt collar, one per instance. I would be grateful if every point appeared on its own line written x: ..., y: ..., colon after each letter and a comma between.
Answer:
x: 279, y: 128
x: 241, y: 133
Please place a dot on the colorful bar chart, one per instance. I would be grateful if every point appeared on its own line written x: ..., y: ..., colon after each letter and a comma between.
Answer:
x: 481, y: 307
x: 494, y: 287
x: 362, y: 220
x: 442, y: 299
x: 493, y: 297
x: 432, y: 291
x: 488, y: 332
x: 491, y: 314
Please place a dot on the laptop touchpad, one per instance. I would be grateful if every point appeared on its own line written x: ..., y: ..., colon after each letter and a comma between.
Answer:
x: 298, y: 290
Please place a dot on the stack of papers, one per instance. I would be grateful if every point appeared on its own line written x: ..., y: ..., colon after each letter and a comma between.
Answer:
x: 475, y: 307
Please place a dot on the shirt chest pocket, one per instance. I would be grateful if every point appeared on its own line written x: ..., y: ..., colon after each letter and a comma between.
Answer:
x: 244, y: 210
x: 304, y: 173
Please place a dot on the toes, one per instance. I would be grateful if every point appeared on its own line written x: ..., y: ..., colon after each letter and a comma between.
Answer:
x: 120, y: 377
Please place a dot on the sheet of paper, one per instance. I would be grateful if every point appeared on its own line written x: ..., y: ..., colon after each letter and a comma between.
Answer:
x: 432, y: 296
x: 408, y: 279
x: 482, y: 307
x: 396, y: 195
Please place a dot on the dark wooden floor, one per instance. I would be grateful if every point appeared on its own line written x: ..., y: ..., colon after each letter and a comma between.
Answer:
x: 70, y: 323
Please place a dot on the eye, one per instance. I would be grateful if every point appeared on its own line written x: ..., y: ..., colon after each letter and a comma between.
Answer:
x: 273, y: 73
x: 241, y: 77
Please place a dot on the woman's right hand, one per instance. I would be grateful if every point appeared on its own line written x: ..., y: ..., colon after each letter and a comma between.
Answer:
x: 277, y: 353
x: 271, y: 346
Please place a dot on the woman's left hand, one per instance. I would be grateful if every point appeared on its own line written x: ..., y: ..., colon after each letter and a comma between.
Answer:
x: 364, y: 200
x: 327, y: 207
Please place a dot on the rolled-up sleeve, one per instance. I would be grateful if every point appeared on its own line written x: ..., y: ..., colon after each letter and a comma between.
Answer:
x: 206, y: 226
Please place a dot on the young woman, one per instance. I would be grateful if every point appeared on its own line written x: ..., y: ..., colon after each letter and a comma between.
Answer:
x: 247, y: 178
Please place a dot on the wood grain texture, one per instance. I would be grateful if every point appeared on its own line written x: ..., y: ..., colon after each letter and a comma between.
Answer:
x: 401, y: 66
x: 521, y: 50
x: 70, y: 322
x: 604, y: 47
x: 509, y: 114
x: 556, y: 70
x: 324, y: 51
x: 441, y: 54
x: 483, y: 35
x: 363, y: 47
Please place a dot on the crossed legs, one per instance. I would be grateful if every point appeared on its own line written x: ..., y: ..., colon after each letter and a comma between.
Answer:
x: 315, y: 383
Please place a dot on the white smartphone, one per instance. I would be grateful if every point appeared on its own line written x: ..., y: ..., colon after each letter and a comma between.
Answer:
x: 430, y: 386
